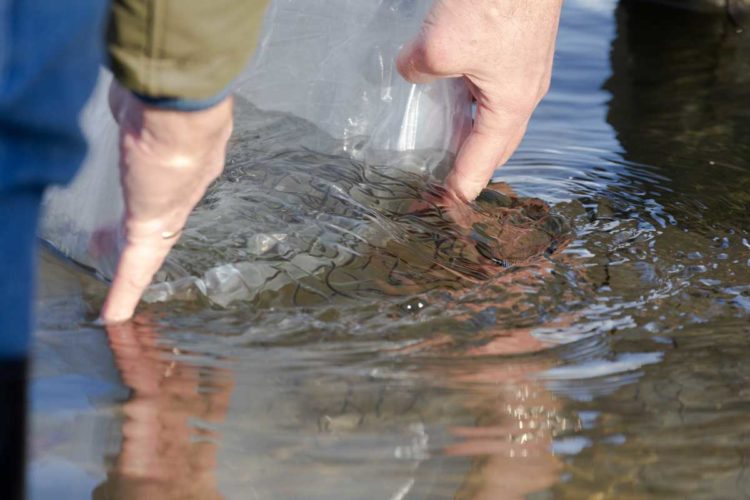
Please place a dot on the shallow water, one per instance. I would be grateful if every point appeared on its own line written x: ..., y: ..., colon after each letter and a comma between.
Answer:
x: 613, y: 367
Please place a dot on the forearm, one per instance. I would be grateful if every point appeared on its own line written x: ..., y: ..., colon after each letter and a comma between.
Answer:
x: 175, y: 61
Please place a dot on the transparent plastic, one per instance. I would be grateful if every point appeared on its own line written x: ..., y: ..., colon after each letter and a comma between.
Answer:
x: 333, y: 63
x: 329, y: 66
x: 75, y: 215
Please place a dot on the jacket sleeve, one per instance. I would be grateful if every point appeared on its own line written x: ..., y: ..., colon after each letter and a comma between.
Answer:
x: 183, y: 49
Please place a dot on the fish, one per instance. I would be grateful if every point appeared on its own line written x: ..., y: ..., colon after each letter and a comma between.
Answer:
x: 309, y: 223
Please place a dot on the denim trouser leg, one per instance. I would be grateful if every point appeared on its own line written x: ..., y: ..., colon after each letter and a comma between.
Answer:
x: 18, y: 219
x: 50, y: 51
x: 19, y: 211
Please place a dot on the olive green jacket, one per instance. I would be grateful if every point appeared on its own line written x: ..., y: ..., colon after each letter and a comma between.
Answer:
x: 193, y: 49
x: 187, y: 49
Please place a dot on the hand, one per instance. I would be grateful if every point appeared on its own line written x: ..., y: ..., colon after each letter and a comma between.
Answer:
x: 167, y: 160
x: 503, y: 49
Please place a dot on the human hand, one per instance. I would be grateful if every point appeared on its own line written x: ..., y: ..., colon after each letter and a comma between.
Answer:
x: 167, y: 160
x: 503, y: 49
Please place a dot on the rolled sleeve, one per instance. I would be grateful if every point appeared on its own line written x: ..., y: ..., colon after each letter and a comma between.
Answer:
x: 182, y: 51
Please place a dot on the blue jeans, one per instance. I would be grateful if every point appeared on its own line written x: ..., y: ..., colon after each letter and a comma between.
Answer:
x: 50, y: 51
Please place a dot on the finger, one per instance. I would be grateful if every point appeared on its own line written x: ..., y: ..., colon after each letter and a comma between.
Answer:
x: 412, y: 63
x: 491, y: 142
x: 138, y: 263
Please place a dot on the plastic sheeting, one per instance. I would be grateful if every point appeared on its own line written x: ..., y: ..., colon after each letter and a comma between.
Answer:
x: 329, y: 63
x: 333, y: 63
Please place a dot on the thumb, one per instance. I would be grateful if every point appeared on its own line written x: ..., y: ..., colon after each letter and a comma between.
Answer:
x: 413, y: 64
x: 491, y: 142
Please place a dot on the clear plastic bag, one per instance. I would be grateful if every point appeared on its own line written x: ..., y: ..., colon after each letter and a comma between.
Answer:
x: 92, y: 204
x: 333, y: 63
x: 329, y: 65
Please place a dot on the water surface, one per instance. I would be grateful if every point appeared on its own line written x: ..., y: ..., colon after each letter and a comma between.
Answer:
x: 614, y: 366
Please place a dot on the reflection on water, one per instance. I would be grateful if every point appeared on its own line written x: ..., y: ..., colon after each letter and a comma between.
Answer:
x: 162, y: 454
x: 325, y: 432
x: 613, y: 366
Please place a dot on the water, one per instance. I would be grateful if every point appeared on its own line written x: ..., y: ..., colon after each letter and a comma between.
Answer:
x: 300, y: 227
x: 615, y: 366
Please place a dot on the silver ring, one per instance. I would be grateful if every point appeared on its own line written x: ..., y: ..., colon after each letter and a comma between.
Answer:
x: 168, y: 235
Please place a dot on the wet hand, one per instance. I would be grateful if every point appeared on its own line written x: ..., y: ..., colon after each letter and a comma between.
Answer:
x: 503, y: 49
x: 167, y: 160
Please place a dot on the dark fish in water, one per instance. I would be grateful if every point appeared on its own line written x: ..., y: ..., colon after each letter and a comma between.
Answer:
x: 298, y: 227
x: 299, y: 217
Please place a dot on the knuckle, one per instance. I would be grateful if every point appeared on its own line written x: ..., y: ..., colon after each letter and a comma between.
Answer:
x: 544, y: 87
x: 434, y: 55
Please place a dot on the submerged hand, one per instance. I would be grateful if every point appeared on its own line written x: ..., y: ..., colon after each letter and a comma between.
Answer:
x: 167, y: 160
x: 503, y: 49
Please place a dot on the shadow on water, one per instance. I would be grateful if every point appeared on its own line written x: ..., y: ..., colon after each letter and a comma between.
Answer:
x: 681, y: 102
x: 680, y: 105
x: 612, y: 366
